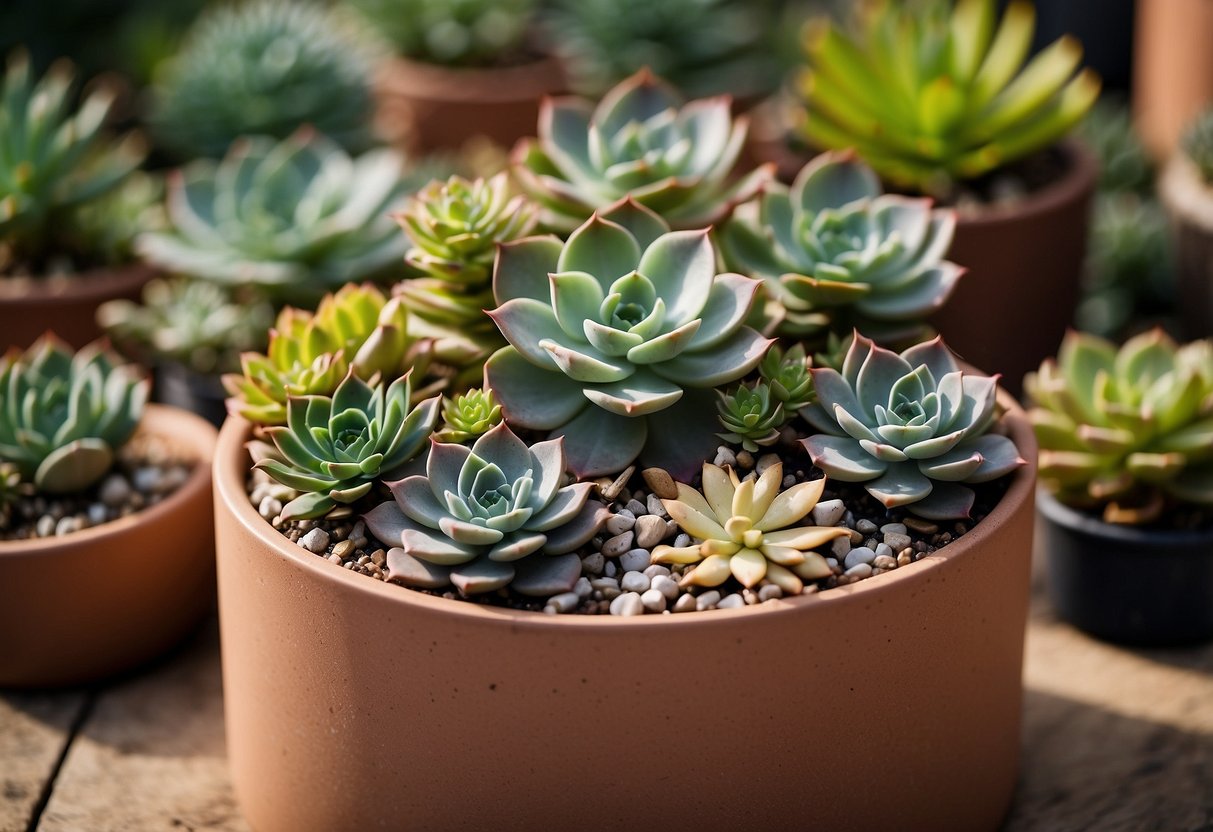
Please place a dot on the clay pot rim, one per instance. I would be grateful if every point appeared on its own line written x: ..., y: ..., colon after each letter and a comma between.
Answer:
x: 1063, y: 515
x: 1081, y: 173
x: 93, y: 285
x: 400, y: 75
x: 231, y: 466
x: 184, y: 428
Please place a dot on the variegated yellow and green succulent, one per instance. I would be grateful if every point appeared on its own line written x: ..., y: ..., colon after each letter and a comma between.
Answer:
x: 1126, y: 431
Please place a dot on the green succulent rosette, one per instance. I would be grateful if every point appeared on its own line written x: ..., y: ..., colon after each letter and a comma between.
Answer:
x: 787, y: 373
x: 469, y: 415
x: 751, y: 416
x: 617, y: 339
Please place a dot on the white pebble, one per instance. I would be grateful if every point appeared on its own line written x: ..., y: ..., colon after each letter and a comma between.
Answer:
x: 840, y: 546
x: 765, y: 461
x: 604, y: 583
x: 650, y: 530
x: 729, y: 602
x: 97, y: 514
x: 315, y: 541
x: 897, y: 540
x: 860, y: 570
x: 618, y: 544
x: 885, y: 562
x: 861, y: 554
x: 269, y: 508
x: 634, y: 582
x: 655, y: 506
x: 636, y: 508
x: 115, y: 491
x: 865, y: 526
x: 628, y: 603
x: 583, y: 588
x: 565, y: 601
x: 707, y: 600
x: 832, y: 563
x: 620, y: 523
x: 682, y: 540
x: 635, y: 560
x: 666, y: 586
x: 66, y: 525
x: 883, y: 549
x: 610, y: 570
x: 769, y: 592
x: 593, y: 563
x: 45, y: 527
x: 147, y: 479
x: 893, y: 528
x: 724, y: 457
x: 653, y: 600
x: 685, y: 603
x: 828, y: 512
x: 656, y: 569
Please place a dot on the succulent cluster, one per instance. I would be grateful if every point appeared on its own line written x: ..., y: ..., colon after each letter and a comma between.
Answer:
x: 787, y: 373
x: 468, y: 415
x: 63, y: 415
x: 1126, y: 430
x: 295, y: 218
x: 617, y: 338
x: 451, y: 33
x: 934, y: 94
x: 484, y: 517
x: 833, y: 252
x: 56, y: 158
x: 751, y: 416
x: 263, y: 68
x: 911, y: 427
x: 746, y: 528
x: 639, y: 141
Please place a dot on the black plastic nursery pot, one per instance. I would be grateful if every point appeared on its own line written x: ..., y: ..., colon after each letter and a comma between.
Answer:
x: 1129, y: 585
x: 179, y: 386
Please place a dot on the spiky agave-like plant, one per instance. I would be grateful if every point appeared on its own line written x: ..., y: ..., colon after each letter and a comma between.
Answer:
x: 453, y: 32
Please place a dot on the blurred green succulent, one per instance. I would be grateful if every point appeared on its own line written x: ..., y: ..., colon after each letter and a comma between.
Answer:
x: 63, y: 415
x: 833, y: 252
x: 266, y: 68
x: 751, y: 416
x: 1197, y: 144
x: 295, y: 218
x: 55, y: 158
x: 1124, y: 164
x: 745, y: 528
x: 484, y: 517
x: 910, y: 427
x: 1126, y: 430
x: 786, y: 372
x: 469, y: 415
x: 934, y: 94
x: 357, y: 328
x: 191, y: 322
x: 11, y: 490
x: 108, y: 226
x: 639, y: 141
x: 617, y: 338
x: 453, y: 32
x: 334, y: 449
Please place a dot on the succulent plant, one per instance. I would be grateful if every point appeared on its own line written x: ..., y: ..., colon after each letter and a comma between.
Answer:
x: 703, y: 47
x: 639, y: 141
x: 746, y: 529
x: 910, y: 427
x: 938, y: 95
x: 11, y: 489
x: 451, y: 33
x: 295, y: 218
x: 834, y: 252
x: 454, y: 227
x: 469, y: 415
x: 334, y: 449
x: 1126, y: 430
x: 617, y: 338
x: 786, y: 372
x: 192, y: 322
x: 1124, y: 164
x: 63, y: 415
x: 108, y: 226
x: 357, y: 328
x: 751, y: 416
x: 1197, y: 144
x: 488, y: 516
x: 263, y: 68
x: 55, y: 160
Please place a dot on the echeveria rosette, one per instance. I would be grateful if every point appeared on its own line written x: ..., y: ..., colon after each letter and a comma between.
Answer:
x: 617, y: 339
x: 487, y: 516
x: 469, y: 415
x: 745, y: 528
x: 786, y: 372
x: 641, y: 141
x: 751, y: 416
x: 1126, y: 431
x: 834, y: 252
x: 334, y: 449
x: 911, y: 427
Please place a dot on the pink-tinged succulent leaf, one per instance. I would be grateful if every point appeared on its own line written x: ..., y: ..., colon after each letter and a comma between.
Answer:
x: 471, y: 534
x: 728, y: 304
x: 682, y: 435
x: 543, y: 577
x: 387, y: 522
x: 416, y: 499
x: 666, y: 346
x: 601, y: 248
x: 956, y: 465
x: 901, y: 484
x: 434, y: 546
x: 639, y: 97
x: 641, y: 394
x: 928, y: 292
x: 517, y: 547
x: 999, y: 457
x: 585, y: 364
x: 644, y: 224
x: 935, y: 446
x: 842, y: 458
x: 947, y: 501
x: 410, y: 571
x: 526, y: 323
x: 548, y: 461
x: 577, y: 532
x: 611, y: 341
x: 834, y: 393
x: 882, y: 451
x: 445, y: 461
x: 531, y: 397
x: 481, y: 575
x: 507, y: 451
x: 682, y: 268
x: 563, y: 508
x: 879, y: 373
x: 832, y: 180
x: 522, y: 269
x: 562, y: 127
x: 907, y: 217
x: 727, y: 361
x: 597, y: 442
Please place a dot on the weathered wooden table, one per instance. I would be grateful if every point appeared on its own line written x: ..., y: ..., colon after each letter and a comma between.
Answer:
x: 1114, y: 740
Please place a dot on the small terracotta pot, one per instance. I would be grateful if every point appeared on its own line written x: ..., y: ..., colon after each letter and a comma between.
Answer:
x: 424, y: 107
x: 1172, y: 69
x: 1188, y: 200
x: 1126, y: 584
x: 354, y: 704
x: 67, y: 305
x: 99, y: 602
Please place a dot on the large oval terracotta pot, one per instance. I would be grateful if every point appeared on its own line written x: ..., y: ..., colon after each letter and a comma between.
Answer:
x: 893, y: 703
x: 1172, y: 69
x: 65, y: 304
x: 104, y: 600
x: 424, y: 107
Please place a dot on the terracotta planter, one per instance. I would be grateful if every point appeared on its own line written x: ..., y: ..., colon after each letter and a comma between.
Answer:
x: 67, y: 305
x: 353, y: 704
x: 1189, y: 203
x: 424, y: 107
x: 107, y: 599
x: 1125, y: 584
x: 1172, y: 69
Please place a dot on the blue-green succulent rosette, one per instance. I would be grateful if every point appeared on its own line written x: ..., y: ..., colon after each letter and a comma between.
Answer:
x: 618, y: 338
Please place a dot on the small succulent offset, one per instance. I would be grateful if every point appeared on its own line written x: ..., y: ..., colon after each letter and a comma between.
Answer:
x: 63, y: 415
x: 484, y: 517
x: 453, y: 32
x: 639, y: 141
x: 1126, y: 431
x: 746, y: 529
x: 263, y: 68
x: 910, y: 427
x: 751, y: 416
x: 295, y: 218
x: 356, y: 328
x: 56, y: 159
x: 834, y: 252
x: 939, y: 95
x: 1197, y: 145
x: 469, y: 415
x: 334, y: 449
x: 787, y: 373
x: 617, y: 338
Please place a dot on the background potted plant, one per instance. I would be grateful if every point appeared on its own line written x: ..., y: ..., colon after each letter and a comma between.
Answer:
x: 1172, y: 70
x: 1125, y: 438
x: 106, y: 534
x: 1185, y: 190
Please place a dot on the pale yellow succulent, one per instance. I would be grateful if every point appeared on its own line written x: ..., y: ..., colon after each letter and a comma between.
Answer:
x: 745, y: 529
